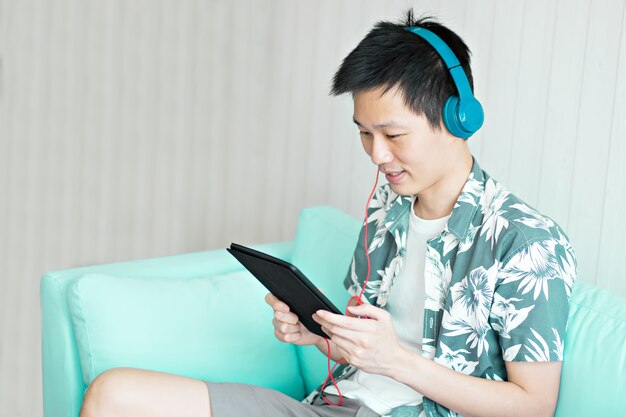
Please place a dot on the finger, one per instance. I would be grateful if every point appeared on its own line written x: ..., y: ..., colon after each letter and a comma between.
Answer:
x: 290, y: 318
x: 285, y: 327
x: 331, y: 319
x: 293, y: 337
x: 275, y: 303
x: 328, y: 332
x: 344, y: 354
x: 344, y: 346
x: 354, y: 300
x: 368, y: 310
x: 288, y: 338
x: 330, y: 328
x: 320, y: 320
x: 353, y: 336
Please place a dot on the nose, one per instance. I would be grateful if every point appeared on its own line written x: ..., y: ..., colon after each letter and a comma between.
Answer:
x: 380, y: 152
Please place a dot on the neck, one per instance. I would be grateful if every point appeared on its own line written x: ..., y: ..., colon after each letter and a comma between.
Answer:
x: 439, y: 199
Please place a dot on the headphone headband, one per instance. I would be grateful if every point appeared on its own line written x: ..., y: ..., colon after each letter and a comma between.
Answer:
x: 462, y: 114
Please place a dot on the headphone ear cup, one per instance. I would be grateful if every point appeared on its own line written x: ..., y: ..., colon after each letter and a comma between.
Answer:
x: 451, y: 118
x: 463, y: 119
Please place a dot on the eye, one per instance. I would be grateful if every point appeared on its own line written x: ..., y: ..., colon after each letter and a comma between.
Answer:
x: 364, y: 133
x: 395, y: 136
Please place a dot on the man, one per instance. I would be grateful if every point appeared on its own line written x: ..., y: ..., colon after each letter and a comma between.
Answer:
x: 466, y: 307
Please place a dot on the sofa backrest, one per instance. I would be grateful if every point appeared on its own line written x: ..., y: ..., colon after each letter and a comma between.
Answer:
x: 594, y: 370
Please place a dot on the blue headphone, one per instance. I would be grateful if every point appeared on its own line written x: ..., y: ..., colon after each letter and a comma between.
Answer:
x: 462, y: 115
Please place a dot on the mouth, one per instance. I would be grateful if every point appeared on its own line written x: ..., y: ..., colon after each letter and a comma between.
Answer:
x: 395, y: 177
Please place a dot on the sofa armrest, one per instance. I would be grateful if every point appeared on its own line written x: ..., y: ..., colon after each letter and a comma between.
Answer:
x: 593, y: 380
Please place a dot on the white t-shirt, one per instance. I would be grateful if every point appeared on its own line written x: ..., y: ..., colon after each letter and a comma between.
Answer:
x: 406, y: 305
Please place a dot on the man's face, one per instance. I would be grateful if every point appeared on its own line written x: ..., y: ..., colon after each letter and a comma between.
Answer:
x: 413, y: 156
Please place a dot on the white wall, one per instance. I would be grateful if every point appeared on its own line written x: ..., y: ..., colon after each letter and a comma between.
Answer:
x: 132, y: 129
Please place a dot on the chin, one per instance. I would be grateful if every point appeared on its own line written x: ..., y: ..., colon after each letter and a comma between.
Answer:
x: 403, y: 189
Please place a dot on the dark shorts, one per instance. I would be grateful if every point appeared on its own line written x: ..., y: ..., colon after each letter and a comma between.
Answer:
x: 241, y: 400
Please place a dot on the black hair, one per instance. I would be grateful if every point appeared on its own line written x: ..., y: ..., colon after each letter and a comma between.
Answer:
x: 390, y: 56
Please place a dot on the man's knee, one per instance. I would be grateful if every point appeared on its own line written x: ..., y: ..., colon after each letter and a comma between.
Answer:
x: 108, y: 394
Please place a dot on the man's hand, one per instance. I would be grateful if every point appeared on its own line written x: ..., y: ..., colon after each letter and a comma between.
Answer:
x: 287, y: 326
x: 368, y: 343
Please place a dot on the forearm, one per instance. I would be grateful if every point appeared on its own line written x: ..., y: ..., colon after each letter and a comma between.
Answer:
x: 334, y: 353
x: 468, y: 395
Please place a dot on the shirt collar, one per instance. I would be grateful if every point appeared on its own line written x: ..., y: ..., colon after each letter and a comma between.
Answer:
x: 468, y: 204
x: 464, y: 211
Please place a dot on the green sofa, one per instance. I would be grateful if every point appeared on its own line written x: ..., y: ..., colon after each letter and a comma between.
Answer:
x: 203, y: 316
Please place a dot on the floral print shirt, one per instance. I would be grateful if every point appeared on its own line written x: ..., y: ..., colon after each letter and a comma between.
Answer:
x: 497, y: 281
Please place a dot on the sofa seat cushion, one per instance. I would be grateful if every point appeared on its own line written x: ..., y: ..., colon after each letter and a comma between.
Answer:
x: 215, y: 328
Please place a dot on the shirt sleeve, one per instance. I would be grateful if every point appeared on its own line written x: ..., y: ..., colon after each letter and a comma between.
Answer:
x: 354, y: 277
x: 531, y: 301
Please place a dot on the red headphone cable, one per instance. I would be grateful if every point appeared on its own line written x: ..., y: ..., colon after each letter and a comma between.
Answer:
x: 358, y: 299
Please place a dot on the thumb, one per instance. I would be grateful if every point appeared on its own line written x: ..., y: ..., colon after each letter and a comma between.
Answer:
x: 367, y: 310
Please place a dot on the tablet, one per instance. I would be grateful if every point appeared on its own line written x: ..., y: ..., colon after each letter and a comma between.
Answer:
x: 287, y: 283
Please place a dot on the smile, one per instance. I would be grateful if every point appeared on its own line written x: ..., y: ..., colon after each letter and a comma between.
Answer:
x: 395, y: 177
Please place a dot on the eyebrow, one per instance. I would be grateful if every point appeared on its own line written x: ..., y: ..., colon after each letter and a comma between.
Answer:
x: 389, y: 123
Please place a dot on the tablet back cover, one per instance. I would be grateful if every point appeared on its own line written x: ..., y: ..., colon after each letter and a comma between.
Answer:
x: 281, y: 279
